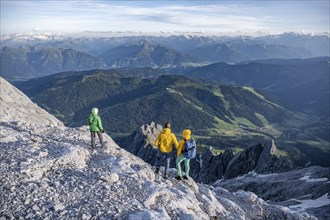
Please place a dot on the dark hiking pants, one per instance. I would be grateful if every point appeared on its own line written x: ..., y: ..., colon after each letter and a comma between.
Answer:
x: 160, y: 156
x: 93, y: 136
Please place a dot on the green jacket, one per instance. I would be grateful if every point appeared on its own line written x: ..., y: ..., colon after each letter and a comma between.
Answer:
x: 95, y: 123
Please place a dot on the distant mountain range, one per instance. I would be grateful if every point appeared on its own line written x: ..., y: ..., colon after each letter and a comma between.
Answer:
x: 317, y: 45
x: 28, y: 62
x: 146, y: 54
x: 28, y: 56
x: 234, y: 52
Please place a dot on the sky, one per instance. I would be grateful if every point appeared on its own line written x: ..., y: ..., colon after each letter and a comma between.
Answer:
x: 250, y: 17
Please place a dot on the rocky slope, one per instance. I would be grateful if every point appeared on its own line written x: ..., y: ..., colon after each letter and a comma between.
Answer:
x: 49, y: 172
x: 258, y: 169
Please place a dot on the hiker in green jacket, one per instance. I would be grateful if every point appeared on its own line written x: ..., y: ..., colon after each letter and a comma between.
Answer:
x: 95, y: 126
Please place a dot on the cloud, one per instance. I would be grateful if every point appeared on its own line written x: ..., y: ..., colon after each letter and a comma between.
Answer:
x: 210, y: 16
x: 37, y: 29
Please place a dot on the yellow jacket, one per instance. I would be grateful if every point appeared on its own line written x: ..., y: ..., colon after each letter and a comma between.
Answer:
x: 165, y: 140
x: 186, y: 136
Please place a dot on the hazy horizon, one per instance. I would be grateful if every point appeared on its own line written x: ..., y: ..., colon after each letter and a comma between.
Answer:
x: 201, y: 17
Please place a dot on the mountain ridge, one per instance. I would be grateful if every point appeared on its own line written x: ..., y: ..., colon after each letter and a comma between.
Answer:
x: 28, y: 62
x: 145, y: 54
x: 166, y: 52
x: 187, y: 93
x: 286, y: 81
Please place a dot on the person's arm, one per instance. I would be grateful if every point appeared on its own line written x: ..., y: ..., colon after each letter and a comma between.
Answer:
x: 157, y: 140
x: 180, y: 148
x: 99, y: 124
x: 89, y: 120
x: 175, y: 141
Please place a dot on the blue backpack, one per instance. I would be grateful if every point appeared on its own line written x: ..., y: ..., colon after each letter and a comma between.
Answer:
x: 189, y: 149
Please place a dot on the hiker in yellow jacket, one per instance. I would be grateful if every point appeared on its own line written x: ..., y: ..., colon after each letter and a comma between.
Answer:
x: 164, y: 142
x: 186, y: 136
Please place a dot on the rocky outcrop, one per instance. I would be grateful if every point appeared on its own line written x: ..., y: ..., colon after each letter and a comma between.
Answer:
x: 144, y: 138
x: 142, y: 142
x: 268, y: 162
x: 243, y: 162
x: 261, y: 159
x: 207, y: 168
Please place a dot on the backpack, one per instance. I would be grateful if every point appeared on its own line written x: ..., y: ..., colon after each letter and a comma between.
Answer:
x: 189, y: 149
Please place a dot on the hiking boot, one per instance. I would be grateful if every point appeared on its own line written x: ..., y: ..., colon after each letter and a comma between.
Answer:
x: 93, y: 146
x: 178, y: 177
x: 104, y: 145
x: 157, y: 170
x: 185, y: 177
x: 165, y: 176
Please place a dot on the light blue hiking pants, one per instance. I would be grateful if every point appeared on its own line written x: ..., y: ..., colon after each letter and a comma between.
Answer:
x: 179, y: 160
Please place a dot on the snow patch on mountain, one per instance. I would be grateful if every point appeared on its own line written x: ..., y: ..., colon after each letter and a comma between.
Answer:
x: 308, y: 178
x: 312, y: 203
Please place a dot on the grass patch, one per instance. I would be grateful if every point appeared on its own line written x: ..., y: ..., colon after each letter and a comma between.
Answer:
x: 217, y: 92
x: 318, y: 144
x: 259, y: 95
x: 245, y: 122
x: 261, y: 118
x: 220, y: 151
x: 250, y: 89
x: 282, y: 153
x: 223, y: 126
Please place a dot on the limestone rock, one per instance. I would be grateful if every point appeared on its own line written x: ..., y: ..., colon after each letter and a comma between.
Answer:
x: 112, y: 178
x: 59, y: 207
